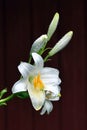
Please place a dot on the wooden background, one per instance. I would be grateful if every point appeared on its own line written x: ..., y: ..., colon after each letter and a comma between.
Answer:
x: 21, y: 22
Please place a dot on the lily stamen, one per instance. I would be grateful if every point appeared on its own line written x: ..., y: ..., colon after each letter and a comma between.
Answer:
x: 37, y: 82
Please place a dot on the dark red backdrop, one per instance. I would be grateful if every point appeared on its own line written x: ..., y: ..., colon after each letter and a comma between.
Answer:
x: 21, y: 22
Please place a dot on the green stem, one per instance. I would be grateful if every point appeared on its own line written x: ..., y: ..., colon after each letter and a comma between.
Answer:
x: 29, y: 61
x: 46, y: 58
x: 4, y: 100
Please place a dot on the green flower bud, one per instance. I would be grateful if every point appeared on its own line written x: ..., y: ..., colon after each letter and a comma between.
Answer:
x: 39, y: 44
x: 61, y: 43
x: 53, y: 26
x: 3, y: 92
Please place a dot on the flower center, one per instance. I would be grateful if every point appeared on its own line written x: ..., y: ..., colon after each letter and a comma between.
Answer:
x: 37, y: 82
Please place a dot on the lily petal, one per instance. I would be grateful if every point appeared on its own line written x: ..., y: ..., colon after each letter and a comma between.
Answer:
x: 25, y: 69
x: 50, y: 71
x: 55, y: 98
x: 19, y: 86
x: 38, y: 60
x: 47, y: 107
x: 52, y: 96
x: 50, y: 76
x: 37, y: 97
x: 53, y: 89
x: 53, y: 81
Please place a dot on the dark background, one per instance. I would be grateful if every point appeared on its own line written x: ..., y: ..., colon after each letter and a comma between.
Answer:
x: 21, y: 22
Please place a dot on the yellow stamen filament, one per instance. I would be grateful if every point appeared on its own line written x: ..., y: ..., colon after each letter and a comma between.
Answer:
x: 38, y: 84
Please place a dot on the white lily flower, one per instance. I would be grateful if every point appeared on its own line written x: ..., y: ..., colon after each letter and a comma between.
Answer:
x: 42, y: 83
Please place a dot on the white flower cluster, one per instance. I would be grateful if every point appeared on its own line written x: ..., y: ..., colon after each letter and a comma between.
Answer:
x: 40, y: 83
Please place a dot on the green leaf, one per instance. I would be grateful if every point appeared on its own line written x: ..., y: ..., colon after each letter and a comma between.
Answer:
x: 22, y: 95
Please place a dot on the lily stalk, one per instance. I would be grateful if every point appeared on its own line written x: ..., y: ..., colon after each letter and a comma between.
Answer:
x: 4, y: 101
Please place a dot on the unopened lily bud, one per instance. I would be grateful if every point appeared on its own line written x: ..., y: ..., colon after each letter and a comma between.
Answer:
x: 61, y: 43
x: 3, y: 92
x: 39, y: 44
x: 53, y: 26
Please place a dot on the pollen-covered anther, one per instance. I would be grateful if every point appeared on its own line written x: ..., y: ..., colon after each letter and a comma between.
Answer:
x: 59, y: 95
x: 37, y: 82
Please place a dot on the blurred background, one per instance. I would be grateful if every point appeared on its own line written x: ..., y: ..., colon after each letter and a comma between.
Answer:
x: 21, y: 22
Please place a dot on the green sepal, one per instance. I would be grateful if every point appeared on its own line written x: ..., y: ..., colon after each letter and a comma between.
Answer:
x: 22, y: 95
